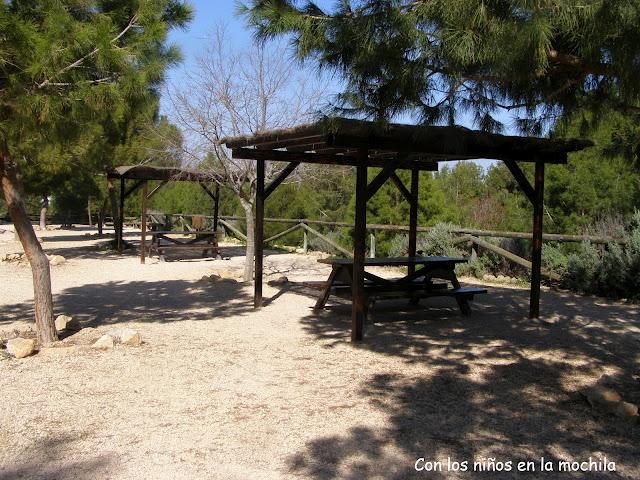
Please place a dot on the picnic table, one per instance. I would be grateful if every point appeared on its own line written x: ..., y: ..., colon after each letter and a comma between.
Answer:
x: 418, y: 283
x: 162, y: 241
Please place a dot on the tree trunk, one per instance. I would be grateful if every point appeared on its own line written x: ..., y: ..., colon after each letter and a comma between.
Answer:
x: 103, y: 207
x: 43, y: 213
x: 251, y: 246
x: 89, y: 212
x: 114, y: 209
x: 13, y: 194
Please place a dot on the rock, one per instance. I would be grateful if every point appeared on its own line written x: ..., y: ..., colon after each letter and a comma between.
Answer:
x: 550, y: 320
x: 57, y: 260
x: 62, y: 321
x: 609, y: 380
x: 105, y: 342
x: 21, y: 347
x: 126, y: 336
x: 279, y: 281
x: 599, y: 396
x: 626, y: 410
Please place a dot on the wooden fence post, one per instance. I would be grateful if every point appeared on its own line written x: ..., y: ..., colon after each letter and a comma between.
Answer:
x: 305, y: 241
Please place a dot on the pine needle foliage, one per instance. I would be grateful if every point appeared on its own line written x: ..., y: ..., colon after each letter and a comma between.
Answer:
x: 70, y: 67
x: 437, y: 59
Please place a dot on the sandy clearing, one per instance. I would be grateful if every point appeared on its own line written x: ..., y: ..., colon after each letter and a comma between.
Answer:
x: 219, y: 390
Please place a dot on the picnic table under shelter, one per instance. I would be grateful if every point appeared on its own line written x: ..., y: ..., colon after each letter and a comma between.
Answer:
x: 392, y: 147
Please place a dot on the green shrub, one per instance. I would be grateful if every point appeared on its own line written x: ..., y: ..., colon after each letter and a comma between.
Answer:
x: 439, y: 241
x: 582, y: 269
x: 399, y: 245
x: 554, y: 259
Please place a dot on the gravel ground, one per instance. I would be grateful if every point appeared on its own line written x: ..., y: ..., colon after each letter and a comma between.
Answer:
x: 218, y: 390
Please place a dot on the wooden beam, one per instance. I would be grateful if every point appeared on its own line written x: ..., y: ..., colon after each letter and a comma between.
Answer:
x: 121, y: 217
x: 207, y: 191
x: 259, y: 234
x: 443, y: 147
x: 133, y: 188
x: 282, y: 176
x: 143, y: 237
x: 522, y: 180
x: 388, y: 170
x: 405, y: 193
x: 358, y: 308
x: 216, y: 208
x: 239, y: 234
x: 413, y: 217
x: 327, y: 240
x: 506, y: 254
x: 283, y: 233
x: 323, y: 158
x: 155, y: 190
x: 536, y: 244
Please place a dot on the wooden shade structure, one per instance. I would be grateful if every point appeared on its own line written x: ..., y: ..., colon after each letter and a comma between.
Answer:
x: 361, y: 144
x: 142, y: 174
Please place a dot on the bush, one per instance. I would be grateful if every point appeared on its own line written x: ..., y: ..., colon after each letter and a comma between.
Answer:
x: 582, y: 269
x: 554, y: 259
x: 439, y: 241
x: 399, y: 245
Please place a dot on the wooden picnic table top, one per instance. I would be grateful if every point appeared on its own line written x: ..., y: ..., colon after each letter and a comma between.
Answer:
x: 395, y: 261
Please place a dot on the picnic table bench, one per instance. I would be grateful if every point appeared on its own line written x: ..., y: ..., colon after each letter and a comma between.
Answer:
x: 415, y: 285
x: 162, y: 242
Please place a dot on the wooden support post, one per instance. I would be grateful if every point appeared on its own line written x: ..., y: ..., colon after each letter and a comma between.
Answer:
x: 413, y: 217
x: 121, y: 217
x: 536, y: 245
x: 358, y: 308
x: 143, y: 237
x: 372, y: 244
x: 216, y: 206
x: 259, y: 234
x: 305, y: 241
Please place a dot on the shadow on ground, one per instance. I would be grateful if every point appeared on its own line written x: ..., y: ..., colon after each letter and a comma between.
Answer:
x: 46, y: 464
x: 144, y: 301
x: 492, y: 385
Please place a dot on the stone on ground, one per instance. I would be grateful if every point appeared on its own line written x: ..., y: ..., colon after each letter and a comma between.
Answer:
x: 626, y: 410
x: 57, y: 260
x: 126, y: 336
x: 21, y: 347
x: 62, y: 322
x: 600, y: 395
x: 279, y: 281
x: 105, y: 342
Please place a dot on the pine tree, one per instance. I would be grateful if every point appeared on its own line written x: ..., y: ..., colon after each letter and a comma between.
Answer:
x: 65, y: 65
x: 438, y: 58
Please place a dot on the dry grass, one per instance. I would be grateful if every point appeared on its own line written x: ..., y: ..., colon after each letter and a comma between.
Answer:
x: 219, y: 390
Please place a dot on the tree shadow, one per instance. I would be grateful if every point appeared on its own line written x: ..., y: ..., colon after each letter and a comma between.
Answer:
x: 144, y: 301
x: 46, y: 459
x: 494, y: 384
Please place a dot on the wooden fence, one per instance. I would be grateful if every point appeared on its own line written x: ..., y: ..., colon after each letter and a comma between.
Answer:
x: 466, y: 235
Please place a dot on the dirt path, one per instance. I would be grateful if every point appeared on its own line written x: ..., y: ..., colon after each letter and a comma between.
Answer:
x: 219, y: 390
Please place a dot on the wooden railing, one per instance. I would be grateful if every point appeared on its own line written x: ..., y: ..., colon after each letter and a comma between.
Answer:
x: 467, y: 235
